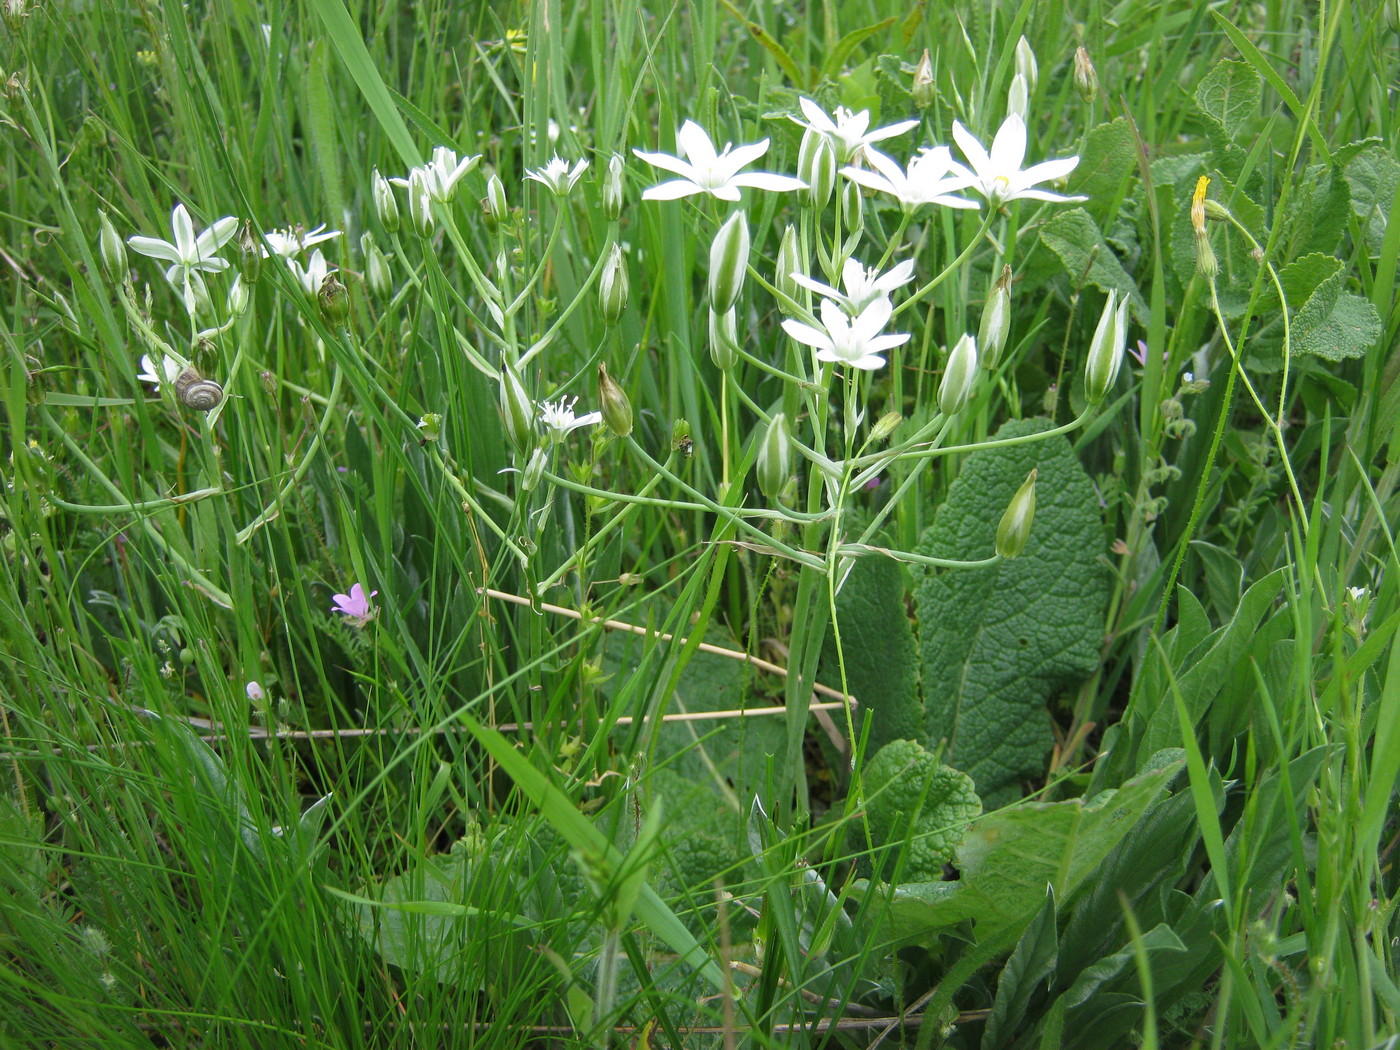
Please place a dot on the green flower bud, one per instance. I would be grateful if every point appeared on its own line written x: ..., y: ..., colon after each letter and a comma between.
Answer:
x: 729, y: 261
x: 386, y: 206
x: 1086, y: 81
x: 774, y: 465
x: 922, y: 85
x: 534, y: 470
x: 884, y: 427
x: 495, y: 206
x: 612, y: 189
x: 377, y: 275
x: 111, y: 248
x: 1106, y: 349
x: 790, y: 261
x: 250, y: 253
x: 333, y: 299
x: 612, y: 286
x: 517, y: 410
x: 616, y: 409
x: 853, y: 204
x: 1015, y: 526
x: 816, y: 166
x: 420, y: 202
x: 996, y: 321
x: 958, y: 377
x: 1026, y: 64
x: 1018, y: 98
x: 724, y: 339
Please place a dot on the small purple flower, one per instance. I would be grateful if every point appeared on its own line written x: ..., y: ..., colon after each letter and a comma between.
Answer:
x: 1139, y: 353
x: 873, y: 483
x: 355, y: 606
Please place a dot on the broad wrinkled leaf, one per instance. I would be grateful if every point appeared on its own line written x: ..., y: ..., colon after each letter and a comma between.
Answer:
x: 1229, y: 95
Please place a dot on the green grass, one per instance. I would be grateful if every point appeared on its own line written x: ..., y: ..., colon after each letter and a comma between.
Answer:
x: 462, y: 820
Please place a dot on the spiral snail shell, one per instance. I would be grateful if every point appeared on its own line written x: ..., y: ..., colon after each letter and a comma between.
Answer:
x: 194, y: 391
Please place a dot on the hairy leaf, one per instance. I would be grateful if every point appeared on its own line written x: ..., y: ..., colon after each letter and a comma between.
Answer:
x: 997, y: 642
x: 1229, y: 95
x: 1106, y: 162
x: 1076, y: 239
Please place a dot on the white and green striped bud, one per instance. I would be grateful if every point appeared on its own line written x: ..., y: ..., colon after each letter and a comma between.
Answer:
x: 816, y: 166
x: 853, y: 204
x: 1106, y: 349
x: 420, y: 202
x: 1018, y: 98
x: 378, y: 277
x: 517, y: 410
x: 613, y: 287
x: 534, y: 470
x: 774, y: 465
x: 996, y: 321
x: 1026, y: 64
x: 1015, y: 525
x: 612, y: 399
x: 724, y: 339
x: 790, y: 261
x: 237, y: 301
x: 386, y: 205
x: 612, y: 189
x: 111, y: 248
x: 958, y: 377
x: 729, y: 262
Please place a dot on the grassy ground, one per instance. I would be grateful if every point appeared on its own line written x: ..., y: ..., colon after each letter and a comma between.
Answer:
x: 248, y: 805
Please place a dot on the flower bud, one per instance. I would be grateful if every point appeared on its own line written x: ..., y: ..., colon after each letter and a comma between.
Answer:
x: 250, y: 253
x: 774, y: 465
x: 237, y: 300
x: 816, y: 166
x: 958, y: 376
x: 430, y: 423
x: 884, y: 427
x: 1206, y: 262
x: 996, y: 321
x: 1018, y: 98
x: 612, y: 189
x: 420, y: 202
x: 922, y: 85
x: 110, y: 248
x: 724, y: 339
x: 1086, y: 81
x: 617, y: 410
x: 853, y: 204
x: 334, y: 300
x: 790, y: 261
x: 534, y: 470
x: 1015, y: 526
x: 1026, y: 64
x: 1106, y: 350
x: 385, y: 204
x: 495, y: 206
x: 377, y: 275
x: 729, y: 261
x: 517, y: 410
x: 612, y: 286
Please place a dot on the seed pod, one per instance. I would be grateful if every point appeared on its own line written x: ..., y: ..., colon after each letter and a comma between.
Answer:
x: 1086, y: 81
x: 729, y: 262
x: 250, y: 253
x: 922, y: 85
x: 1015, y: 526
x: 617, y: 410
x: 110, y: 248
x: 194, y: 391
x: 333, y: 298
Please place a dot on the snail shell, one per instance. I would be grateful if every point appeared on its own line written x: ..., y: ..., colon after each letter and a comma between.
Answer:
x: 194, y: 391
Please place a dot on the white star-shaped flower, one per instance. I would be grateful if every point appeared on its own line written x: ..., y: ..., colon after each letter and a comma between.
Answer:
x: 862, y: 286
x: 998, y: 175
x: 314, y: 275
x: 848, y: 131
x: 292, y: 241
x: 439, y: 177
x: 189, y: 255
x: 845, y: 340
x: 557, y: 176
x: 559, y: 419
x: 933, y: 177
x: 705, y: 171
x: 170, y: 370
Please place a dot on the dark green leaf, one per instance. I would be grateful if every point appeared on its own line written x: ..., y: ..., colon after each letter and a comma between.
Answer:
x: 1032, y: 962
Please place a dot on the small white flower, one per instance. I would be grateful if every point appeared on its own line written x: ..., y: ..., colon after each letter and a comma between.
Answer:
x: 557, y: 176
x: 998, y: 175
x: 255, y: 692
x: 292, y: 241
x: 440, y: 176
x: 705, y: 171
x: 852, y: 341
x: 1187, y: 377
x: 559, y: 419
x: 314, y: 275
x: 933, y: 177
x: 1357, y: 593
x: 169, y: 370
x: 189, y: 255
x: 862, y: 286
x: 848, y: 131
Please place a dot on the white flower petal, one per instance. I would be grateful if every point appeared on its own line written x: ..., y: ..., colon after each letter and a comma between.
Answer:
x: 673, y: 190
